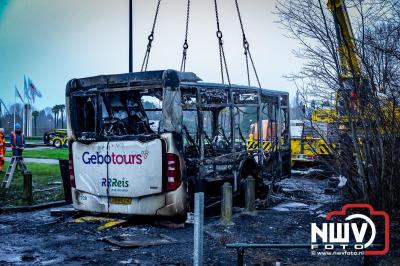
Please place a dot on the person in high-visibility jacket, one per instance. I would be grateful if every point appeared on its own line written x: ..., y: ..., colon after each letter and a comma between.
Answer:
x: 2, y: 148
x: 17, y: 140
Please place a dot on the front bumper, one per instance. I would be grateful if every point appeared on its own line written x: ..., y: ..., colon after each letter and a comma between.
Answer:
x: 164, y: 204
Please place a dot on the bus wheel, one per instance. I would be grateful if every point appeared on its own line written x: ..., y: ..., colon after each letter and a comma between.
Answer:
x: 179, y: 219
x: 57, y: 143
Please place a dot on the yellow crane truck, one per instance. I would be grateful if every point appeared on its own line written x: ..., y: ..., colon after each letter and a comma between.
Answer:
x: 309, y: 139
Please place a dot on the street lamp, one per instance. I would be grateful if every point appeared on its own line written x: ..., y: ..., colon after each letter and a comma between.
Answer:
x: 130, y: 36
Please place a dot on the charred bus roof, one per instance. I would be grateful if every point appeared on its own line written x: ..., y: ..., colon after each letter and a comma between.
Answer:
x: 148, y: 78
x: 153, y: 79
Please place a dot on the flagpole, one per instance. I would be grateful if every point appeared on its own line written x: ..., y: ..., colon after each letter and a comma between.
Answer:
x: 130, y: 37
x: 26, y: 131
x: 23, y: 117
x: 15, y: 103
x: 26, y: 120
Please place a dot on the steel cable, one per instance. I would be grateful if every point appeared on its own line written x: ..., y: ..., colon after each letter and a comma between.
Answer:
x: 150, y: 39
x: 185, y: 43
x: 246, y: 47
x: 222, y: 57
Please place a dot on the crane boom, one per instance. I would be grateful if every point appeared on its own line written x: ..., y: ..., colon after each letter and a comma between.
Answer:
x: 350, y: 70
x: 349, y: 61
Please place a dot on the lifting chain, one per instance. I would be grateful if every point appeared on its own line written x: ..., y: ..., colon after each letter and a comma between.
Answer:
x: 150, y: 39
x: 222, y: 58
x: 247, y: 49
x: 185, y: 43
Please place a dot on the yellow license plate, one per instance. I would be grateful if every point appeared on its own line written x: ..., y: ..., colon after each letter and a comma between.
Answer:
x: 125, y: 201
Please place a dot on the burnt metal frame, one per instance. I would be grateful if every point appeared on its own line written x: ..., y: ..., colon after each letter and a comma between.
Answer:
x: 152, y: 80
x: 234, y: 156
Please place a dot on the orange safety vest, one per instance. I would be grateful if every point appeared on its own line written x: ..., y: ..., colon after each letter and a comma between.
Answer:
x: 2, y: 147
x: 15, y: 139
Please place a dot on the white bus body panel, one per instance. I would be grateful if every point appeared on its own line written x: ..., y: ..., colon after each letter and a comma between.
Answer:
x: 134, y: 168
x: 144, y: 178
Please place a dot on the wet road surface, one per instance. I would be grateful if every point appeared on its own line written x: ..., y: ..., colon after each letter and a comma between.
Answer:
x: 37, y: 238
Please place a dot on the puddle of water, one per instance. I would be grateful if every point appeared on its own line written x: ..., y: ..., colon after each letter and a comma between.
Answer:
x: 307, y: 171
x: 291, y: 206
x: 9, y: 258
x: 3, y: 227
x: 128, y: 261
x: 52, y: 261
x: 280, y: 209
x: 295, y: 205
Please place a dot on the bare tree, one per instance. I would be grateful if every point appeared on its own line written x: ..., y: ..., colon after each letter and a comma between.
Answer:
x: 61, y: 108
x: 372, y: 109
x: 55, y: 111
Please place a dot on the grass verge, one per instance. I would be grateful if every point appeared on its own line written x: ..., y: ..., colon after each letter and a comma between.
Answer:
x: 58, y: 154
x: 47, y: 185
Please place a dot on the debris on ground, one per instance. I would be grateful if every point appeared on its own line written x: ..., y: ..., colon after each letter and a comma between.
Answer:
x: 343, y: 181
x: 37, y: 238
x: 138, y: 240
x: 109, y: 222
x: 64, y: 211
x: 169, y: 224
x: 309, y: 172
x: 335, y: 183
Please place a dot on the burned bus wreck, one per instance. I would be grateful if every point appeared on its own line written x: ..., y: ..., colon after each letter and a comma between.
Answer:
x: 143, y: 143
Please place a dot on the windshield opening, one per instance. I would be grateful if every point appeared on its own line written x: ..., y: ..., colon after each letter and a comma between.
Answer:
x: 115, y: 114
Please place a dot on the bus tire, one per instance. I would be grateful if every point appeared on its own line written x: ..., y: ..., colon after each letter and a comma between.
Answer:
x: 180, y: 219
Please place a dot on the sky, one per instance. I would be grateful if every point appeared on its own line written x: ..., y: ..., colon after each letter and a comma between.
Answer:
x: 53, y: 41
